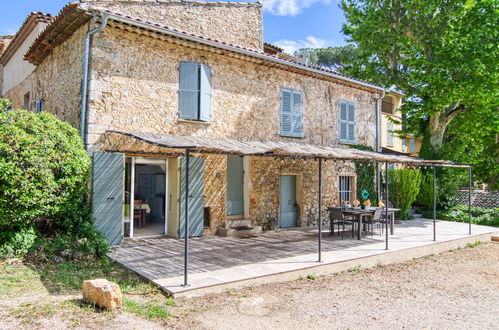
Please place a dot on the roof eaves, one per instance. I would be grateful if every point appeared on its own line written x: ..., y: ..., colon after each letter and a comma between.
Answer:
x: 24, y: 31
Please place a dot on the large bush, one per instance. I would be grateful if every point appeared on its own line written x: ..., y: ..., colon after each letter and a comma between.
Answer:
x: 43, y: 166
x: 404, y: 188
x: 425, y: 196
x: 44, y: 170
x: 459, y: 213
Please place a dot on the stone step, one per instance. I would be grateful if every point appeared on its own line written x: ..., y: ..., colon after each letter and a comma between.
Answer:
x: 237, y: 223
x: 495, y: 238
x: 229, y: 232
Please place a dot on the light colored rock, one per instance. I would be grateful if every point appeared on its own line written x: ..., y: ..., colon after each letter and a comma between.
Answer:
x: 103, y: 293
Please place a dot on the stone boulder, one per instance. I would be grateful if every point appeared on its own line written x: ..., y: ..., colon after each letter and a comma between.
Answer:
x: 103, y: 293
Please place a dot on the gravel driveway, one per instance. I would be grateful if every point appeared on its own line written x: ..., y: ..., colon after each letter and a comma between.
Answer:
x: 453, y: 290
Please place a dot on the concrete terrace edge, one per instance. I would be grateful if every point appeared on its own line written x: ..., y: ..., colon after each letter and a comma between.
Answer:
x: 384, y: 258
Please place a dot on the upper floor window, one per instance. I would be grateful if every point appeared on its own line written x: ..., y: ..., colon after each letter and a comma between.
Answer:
x: 347, y: 122
x: 195, y: 91
x: 291, y: 113
x: 412, y: 146
x: 389, y: 134
x: 387, y: 105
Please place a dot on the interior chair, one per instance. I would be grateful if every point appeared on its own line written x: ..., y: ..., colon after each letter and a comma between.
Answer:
x: 138, y: 213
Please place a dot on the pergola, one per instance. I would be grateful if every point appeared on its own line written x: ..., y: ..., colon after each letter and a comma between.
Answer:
x: 140, y: 143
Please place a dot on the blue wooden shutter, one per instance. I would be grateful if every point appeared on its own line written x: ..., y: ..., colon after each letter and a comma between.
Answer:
x: 189, y: 90
x: 286, y: 112
x: 343, y: 121
x: 196, y: 196
x: 389, y: 137
x: 297, y: 116
x: 38, y: 106
x: 205, y: 93
x: 107, y: 194
x: 351, y: 122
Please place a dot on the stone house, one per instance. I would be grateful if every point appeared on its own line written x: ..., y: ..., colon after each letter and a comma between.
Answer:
x: 131, y: 74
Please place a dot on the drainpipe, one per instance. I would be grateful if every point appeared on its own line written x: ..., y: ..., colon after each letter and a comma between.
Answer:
x: 84, y: 89
x: 378, y: 141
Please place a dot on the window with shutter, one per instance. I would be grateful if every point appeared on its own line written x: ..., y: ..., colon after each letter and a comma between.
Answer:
x: 412, y: 146
x: 389, y: 136
x: 291, y: 113
x: 194, y: 91
x: 347, y: 122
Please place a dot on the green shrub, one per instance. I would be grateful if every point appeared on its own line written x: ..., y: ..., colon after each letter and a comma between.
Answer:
x: 43, y: 166
x: 480, y: 215
x: 425, y: 196
x: 44, y: 170
x: 404, y: 188
x: 17, y: 242
x: 366, y: 177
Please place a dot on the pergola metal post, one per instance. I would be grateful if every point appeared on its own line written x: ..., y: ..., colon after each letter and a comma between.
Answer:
x: 320, y: 211
x: 186, y: 222
x: 386, y: 205
x: 434, y: 203
x: 469, y: 200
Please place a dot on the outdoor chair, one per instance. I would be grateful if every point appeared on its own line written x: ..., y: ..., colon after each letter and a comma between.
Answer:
x: 336, y: 217
x: 375, y: 219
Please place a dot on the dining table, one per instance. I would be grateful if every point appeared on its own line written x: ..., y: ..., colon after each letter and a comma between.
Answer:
x: 360, y: 213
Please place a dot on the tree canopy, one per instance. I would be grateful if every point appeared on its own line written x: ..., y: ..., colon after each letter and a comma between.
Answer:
x: 444, y: 56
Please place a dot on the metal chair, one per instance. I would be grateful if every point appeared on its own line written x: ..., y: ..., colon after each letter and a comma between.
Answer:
x: 375, y: 219
x: 336, y: 217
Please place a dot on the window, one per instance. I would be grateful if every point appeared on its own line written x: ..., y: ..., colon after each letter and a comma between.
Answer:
x: 38, y: 106
x: 26, y: 101
x: 389, y: 136
x: 347, y: 122
x: 195, y: 91
x: 412, y: 146
x: 404, y: 144
x: 291, y: 113
x: 345, y: 188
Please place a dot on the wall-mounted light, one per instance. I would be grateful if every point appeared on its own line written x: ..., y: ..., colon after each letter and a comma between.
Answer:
x: 218, y: 175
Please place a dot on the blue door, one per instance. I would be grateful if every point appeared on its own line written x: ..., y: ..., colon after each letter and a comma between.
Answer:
x: 235, y: 177
x: 288, y: 206
x: 107, y: 194
x: 196, y: 196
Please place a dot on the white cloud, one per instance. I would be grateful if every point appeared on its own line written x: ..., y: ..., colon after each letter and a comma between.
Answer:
x: 288, y: 7
x: 290, y: 46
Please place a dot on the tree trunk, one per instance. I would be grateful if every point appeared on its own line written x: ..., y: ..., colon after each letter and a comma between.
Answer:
x: 439, y: 122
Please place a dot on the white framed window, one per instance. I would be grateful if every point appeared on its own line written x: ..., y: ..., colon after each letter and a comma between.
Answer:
x: 194, y: 91
x: 345, y: 188
x: 347, y: 122
x: 291, y: 113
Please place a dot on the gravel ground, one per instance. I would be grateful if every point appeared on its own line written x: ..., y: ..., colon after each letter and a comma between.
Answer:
x: 452, y: 290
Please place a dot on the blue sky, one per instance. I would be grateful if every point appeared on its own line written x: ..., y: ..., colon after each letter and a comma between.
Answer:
x: 290, y: 24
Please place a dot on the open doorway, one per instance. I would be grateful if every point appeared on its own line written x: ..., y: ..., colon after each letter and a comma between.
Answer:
x: 146, y: 183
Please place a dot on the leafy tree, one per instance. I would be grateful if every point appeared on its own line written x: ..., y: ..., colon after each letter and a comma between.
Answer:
x: 334, y: 58
x: 442, y: 54
x: 403, y: 188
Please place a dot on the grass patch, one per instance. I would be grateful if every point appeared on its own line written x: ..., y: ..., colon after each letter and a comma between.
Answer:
x: 30, y: 313
x: 147, y: 310
x: 311, y: 276
x: 69, y: 276
x: 17, y: 278
x: 472, y: 245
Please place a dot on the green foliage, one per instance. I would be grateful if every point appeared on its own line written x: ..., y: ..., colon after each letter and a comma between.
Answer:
x: 43, y: 166
x: 44, y: 170
x: 443, y: 55
x: 332, y: 57
x: 366, y: 177
x: 425, y: 196
x: 404, y: 188
x: 147, y: 310
x: 17, y: 242
x: 480, y: 215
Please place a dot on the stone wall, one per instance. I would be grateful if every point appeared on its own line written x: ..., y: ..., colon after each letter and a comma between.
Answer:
x: 57, y: 81
x: 264, y: 194
x: 484, y: 198
x: 134, y: 87
x: 235, y: 23
x: 215, y: 189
